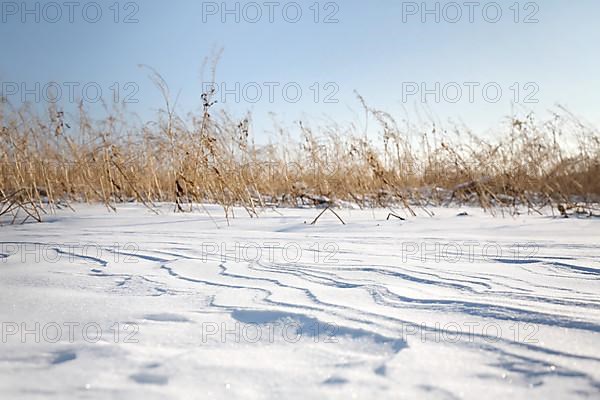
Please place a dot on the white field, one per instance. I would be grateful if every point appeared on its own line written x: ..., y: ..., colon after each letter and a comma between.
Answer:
x: 133, y: 305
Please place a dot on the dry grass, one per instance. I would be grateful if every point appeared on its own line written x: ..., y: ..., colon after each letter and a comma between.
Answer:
x: 48, y: 163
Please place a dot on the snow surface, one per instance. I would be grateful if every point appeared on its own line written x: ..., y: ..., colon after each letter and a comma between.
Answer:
x: 134, y: 305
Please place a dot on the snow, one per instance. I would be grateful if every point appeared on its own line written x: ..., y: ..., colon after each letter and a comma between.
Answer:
x: 135, y: 305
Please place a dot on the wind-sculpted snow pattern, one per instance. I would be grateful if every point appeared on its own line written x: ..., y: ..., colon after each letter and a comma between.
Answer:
x: 186, y: 306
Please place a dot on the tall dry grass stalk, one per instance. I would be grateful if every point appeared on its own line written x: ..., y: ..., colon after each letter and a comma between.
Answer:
x: 51, y: 162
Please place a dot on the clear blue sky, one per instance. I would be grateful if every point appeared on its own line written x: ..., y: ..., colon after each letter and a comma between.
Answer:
x: 376, y: 48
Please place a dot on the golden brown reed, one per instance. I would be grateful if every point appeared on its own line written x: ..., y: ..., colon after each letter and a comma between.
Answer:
x: 48, y: 163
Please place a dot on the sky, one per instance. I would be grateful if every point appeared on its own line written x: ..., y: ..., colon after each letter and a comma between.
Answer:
x: 470, y: 62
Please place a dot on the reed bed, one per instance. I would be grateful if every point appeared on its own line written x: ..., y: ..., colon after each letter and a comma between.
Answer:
x: 53, y: 161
